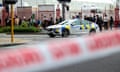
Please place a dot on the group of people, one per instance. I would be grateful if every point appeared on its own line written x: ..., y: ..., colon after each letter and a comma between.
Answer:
x: 105, y: 21
x: 30, y: 22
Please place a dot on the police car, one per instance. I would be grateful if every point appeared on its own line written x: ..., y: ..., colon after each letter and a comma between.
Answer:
x: 75, y: 26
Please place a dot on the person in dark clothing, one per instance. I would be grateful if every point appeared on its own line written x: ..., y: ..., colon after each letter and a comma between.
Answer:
x: 51, y: 22
x: 8, y: 21
x: 44, y: 24
x: 77, y: 16
x: 106, y: 22
x: 85, y: 17
x: 20, y: 22
x: 93, y: 19
x: 57, y: 21
x: 90, y: 18
x: 60, y: 19
x: 99, y: 21
x: 111, y: 22
x: 0, y: 21
x: 73, y: 17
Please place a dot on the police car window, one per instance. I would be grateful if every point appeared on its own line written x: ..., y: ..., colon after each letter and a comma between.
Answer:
x: 77, y: 22
x: 64, y: 22
x: 85, y: 22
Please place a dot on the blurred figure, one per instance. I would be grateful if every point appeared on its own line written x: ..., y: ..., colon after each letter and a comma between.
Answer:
x: 24, y: 18
x: 85, y: 17
x: 60, y: 19
x: 73, y: 17
x: 106, y: 22
x: 77, y: 16
x: 17, y: 21
x: 20, y: 21
x: 57, y: 20
x: 111, y: 22
x: 51, y: 22
x: 99, y: 21
x: 39, y: 22
x: 93, y: 19
x: 0, y: 20
x: 90, y: 18
x: 8, y: 21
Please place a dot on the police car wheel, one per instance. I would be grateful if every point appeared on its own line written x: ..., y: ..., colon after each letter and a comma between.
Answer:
x: 65, y: 33
x: 92, y: 31
x: 51, y: 35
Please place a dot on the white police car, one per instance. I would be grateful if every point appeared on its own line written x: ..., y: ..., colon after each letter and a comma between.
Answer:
x: 74, y: 26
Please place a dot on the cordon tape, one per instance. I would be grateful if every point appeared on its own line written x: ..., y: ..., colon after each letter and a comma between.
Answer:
x: 54, y: 54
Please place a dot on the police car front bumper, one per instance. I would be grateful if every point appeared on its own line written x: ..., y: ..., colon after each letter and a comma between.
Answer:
x: 52, y: 31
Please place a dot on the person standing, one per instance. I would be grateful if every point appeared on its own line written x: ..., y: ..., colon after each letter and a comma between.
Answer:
x: 99, y: 21
x: 106, y: 22
x: 93, y: 19
x: 51, y: 22
x: 111, y: 22
x: 17, y: 21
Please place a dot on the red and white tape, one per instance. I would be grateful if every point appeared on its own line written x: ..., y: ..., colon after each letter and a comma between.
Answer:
x: 51, y: 55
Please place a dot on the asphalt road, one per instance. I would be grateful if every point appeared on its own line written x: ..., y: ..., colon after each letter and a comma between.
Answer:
x: 39, y: 37
x: 106, y: 64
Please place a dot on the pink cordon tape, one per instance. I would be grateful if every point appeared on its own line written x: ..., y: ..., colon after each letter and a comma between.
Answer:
x: 103, y: 41
x: 63, y: 49
x: 39, y: 57
x: 13, y: 59
x: 50, y: 55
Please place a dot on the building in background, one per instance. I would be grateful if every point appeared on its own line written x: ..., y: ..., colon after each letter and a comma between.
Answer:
x: 76, y: 6
x: 24, y: 12
x: 46, y: 12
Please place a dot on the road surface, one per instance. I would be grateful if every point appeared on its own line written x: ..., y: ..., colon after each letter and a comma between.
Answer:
x: 107, y: 64
x: 39, y: 37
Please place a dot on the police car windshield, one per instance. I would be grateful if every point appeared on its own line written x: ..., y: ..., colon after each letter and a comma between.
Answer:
x: 86, y: 22
x: 64, y: 22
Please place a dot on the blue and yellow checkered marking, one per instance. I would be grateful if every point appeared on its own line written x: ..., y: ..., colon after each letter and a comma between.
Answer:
x: 86, y: 27
x: 65, y: 27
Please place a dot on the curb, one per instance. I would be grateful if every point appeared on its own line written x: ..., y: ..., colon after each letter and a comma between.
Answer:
x: 11, y: 44
x: 28, y: 33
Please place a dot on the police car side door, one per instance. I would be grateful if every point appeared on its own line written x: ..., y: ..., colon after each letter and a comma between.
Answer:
x: 75, y: 27
x: 85, y: 26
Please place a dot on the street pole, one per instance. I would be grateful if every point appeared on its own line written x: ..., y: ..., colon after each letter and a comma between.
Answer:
x: 12, y: 24
x: 63, y: 10
x: 21, y: 3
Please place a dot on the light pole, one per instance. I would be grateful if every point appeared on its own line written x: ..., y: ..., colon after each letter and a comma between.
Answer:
x: 63, y: 11
x: 117, y: 13
x: 36, y: 9
x: 21, y: 3
x: 11, y: 2
x: 12, y: 24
